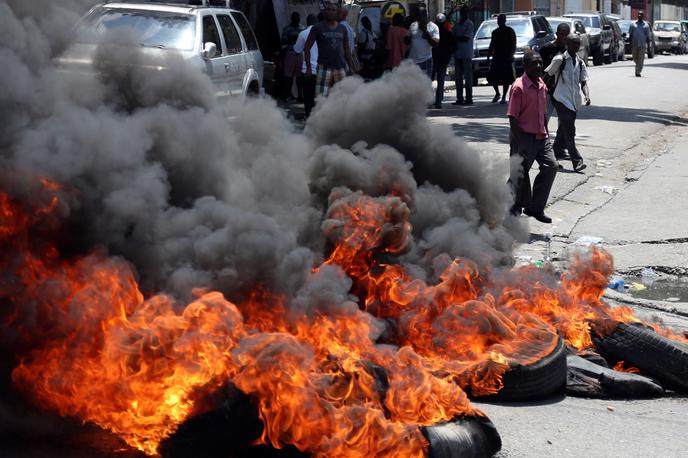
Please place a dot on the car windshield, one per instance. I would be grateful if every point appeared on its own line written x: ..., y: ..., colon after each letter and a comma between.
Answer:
x: 149, y: 28
x: 589, y: 21
x: 624, y: 25
x: 555, y: 23
x: 522, y: 28
x: 666, y: 27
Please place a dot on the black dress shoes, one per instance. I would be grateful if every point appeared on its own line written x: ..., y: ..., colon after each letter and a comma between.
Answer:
x: 540, y: 216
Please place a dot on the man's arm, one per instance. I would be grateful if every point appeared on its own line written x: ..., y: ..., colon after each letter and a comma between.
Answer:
x: 553, y: 68
x: 347, y: 52
x: 460, y: 37
x: 433, y: 37
x: 586, y: 92
x: 307, y: 51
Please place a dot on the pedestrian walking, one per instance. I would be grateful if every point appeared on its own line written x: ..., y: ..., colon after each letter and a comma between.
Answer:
x: 547, y: 52
x: 571, y: 77
x: 441, y: 54
x: 423, y: 36
x: 342, y: 14
x: 292, y: 60
x: 639, y: 33
x: 395, y: 42
x: 529, y: 142
x: 333, y: 51
x: 367, y: 46
x: 308, y: 80
x: 463, y: 32
x: 501, y: 50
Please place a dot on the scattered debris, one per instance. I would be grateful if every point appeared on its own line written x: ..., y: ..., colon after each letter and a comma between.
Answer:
x: 617, y: 283
x: 648, y: 276
x: 673, y: 299
x: 608, y: 189
x: 610, y: 408
x: 637, y: 286
x: 588, y: 240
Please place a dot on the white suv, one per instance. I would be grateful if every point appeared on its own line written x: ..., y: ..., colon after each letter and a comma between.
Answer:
x: 217, y: 40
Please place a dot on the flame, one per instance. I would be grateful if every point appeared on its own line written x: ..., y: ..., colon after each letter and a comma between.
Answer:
x: 621, y: 367
x: 139, y: 366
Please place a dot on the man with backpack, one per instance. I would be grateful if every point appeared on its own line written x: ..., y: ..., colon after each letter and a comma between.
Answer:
x: 548, y: 51
x: 570, y: 78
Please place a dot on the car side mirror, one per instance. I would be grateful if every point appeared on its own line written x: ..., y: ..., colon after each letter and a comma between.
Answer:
x: 541, y: 34
x: 607, y: 27
x: 209, y: 50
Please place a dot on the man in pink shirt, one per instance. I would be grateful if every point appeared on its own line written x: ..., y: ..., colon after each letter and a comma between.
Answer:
x: 529, y: 139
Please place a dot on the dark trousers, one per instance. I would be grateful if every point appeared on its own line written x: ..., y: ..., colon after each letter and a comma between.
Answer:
x: 427, y: 67
x: 530, y: 149
x: 566, y: 132
x: 439, y: 72
x: 464, y: 73
x: 308, y: 87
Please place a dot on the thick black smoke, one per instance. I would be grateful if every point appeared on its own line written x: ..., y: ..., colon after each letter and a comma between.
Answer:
x: 196, y: 193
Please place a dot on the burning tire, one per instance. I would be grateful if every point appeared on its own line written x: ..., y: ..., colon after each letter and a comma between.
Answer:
x: 588, y: 379
x: 656, y: 355
x: 465, y: 437
x: 537, y: 380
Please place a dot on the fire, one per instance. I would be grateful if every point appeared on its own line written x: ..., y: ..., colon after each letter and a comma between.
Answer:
x: 622, y: 367
x: 139, y: 366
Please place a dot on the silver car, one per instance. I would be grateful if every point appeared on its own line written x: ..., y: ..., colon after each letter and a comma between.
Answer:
x: 217, y: 41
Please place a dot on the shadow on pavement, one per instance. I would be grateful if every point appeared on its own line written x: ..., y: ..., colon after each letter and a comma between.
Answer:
x: 622, y: 114
x: 670, y: 65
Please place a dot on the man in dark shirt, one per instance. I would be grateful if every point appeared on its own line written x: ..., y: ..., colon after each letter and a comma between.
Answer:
x: 441, y: 54
x: 558, y: 46
x: 502, y: 49
x: 333, y: 51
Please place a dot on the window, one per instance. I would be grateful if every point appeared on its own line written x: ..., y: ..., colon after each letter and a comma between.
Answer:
x: 246, y: 31
x: 521, y: 27
x: 148, y: 28
x: 232, y: 38
x: 210, y: 33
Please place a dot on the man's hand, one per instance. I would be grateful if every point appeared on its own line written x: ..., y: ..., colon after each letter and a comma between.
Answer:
x: 309, y: 70
x: 586, y: 99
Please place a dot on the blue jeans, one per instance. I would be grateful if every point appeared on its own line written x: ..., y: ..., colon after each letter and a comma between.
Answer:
x: 426, y: 67
x: 440, y: 73
x: 463, y: 71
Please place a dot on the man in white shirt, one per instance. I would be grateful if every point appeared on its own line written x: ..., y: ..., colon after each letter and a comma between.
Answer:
x: 308, y: 81
x: 571, y: 78
x: 424, y: 35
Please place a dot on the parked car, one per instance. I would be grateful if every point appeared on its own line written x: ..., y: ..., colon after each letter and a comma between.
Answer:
x: 532, y: 31
x: 216, y: 40
x: 684, y: 30
x: 625, y: 25
x: 668, y: 36
x: 578, y: 28
x: 618, y: 52
x: 601, y: 36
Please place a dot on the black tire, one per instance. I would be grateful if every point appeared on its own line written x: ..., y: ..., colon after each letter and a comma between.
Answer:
x: 651, y: 51
x: 608, y: 58
x: 639, y: 346
x: 597, y: 57
x: 466, y: 437
x: 539, y: 380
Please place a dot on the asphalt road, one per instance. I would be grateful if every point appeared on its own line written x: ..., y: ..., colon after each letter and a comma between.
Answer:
x: 632, y: 197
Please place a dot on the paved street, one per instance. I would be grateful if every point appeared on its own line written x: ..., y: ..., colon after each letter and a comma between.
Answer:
x: 634, y: 138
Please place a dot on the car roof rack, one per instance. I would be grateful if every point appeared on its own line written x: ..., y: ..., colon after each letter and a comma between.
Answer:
x: 516, y: 13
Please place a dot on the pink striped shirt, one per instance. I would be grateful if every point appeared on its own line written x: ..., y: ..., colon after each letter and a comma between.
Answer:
x: 528, y: 104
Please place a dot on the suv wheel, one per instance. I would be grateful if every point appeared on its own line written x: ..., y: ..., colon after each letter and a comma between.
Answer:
x: 608, y: 58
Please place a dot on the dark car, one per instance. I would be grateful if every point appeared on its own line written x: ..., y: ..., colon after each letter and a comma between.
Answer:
x: 532, y: 31
x: 601, y: 36
x: 618, y: 42
x: 625, y: 25
x: 578, y: 28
